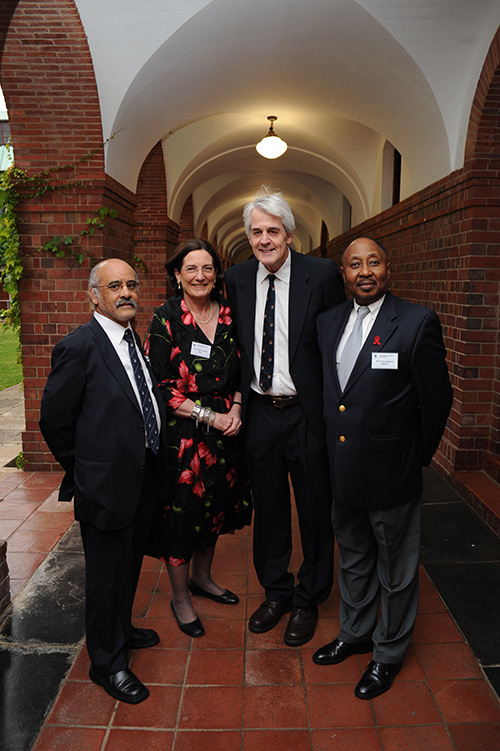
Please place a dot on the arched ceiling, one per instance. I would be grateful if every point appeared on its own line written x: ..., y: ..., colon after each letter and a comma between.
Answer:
x: 343, y: 77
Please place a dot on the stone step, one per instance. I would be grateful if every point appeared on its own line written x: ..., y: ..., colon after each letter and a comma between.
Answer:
x: 482, y: 492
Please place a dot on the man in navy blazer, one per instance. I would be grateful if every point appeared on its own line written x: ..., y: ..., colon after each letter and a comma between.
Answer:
x: 93, y: 422
x: 384, y: 421
x: 283, y: 426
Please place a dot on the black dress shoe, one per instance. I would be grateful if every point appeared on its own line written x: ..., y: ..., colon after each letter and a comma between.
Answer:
x: 226, y: 598
x: 377, y: 679
x: 194, y: 629
x: 142, y: 637
x: 337, y: 651
x: 301, y: 625
x: 124, y: 685
x: 267, y: 616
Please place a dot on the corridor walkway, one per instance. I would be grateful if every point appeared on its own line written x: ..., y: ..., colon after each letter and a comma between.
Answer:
x: 233, y: 690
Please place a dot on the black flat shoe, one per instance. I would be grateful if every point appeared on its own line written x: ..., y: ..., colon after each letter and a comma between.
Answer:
x: 226, y: 598
x: 301, y: 626
x: 194, y: 629
x: 337, y: 651
x: 124, y: 685
x: 377, y: 679
x: 142, y: 637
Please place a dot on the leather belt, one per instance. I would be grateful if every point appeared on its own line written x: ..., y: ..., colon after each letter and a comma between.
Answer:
x: 277, y: 400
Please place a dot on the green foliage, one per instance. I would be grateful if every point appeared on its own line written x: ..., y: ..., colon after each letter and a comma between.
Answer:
x: 20, y: 460
x: 11, y: 268
x: 10, y: 367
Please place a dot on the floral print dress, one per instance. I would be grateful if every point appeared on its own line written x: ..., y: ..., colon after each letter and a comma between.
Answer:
x: 209, y: 493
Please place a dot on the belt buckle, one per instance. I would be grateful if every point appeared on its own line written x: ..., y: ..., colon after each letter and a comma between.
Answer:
x: 276, y: 402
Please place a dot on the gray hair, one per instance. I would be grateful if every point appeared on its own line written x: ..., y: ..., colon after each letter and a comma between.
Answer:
x: 273, y: 204
x: 94, y: 276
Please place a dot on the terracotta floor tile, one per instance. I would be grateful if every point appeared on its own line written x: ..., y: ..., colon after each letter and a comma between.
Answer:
x: 277, y: 740
x: 80, y: 669
x: 215, y: 667
x: 136, y: 740
x: 8, y: 526
x: 411, y: 670
x: 434, y: 628
x: 272, y: 666
x: 349, y: 671
x: 208, y: 740
x: 270, y: 639
x: 347, y: 739
x: 17, y: 510
x: 164, y: 666
x: 50, y: 520
x: 229, y: 561
x: 430, y: 602
x: 47, y: 480
x: 171, y: 637
x: 424, y: 738
x: 142, y: 604
x: 207, y: 608
x: 212, y: 708
x: 482, y: 737
x: 37, y: 540
x: 407, y: 703
x: 466, y: 701
x: 12, y: 481
x: 275, y: 707
x: 27, y: 495
x: 159, y: 710
x: 63, y: 738
x: 23, y: 565
x: 443, y: 661
x: 227, y: 634
x: 82, y: 703
x: 160, y: 606
x: 335, y: 706
x: 147, y: 580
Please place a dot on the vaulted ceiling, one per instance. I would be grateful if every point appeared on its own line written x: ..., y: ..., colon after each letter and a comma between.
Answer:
x: 344, y: 77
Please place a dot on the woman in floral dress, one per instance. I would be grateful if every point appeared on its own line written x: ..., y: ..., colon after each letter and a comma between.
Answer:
x: 194, y: 356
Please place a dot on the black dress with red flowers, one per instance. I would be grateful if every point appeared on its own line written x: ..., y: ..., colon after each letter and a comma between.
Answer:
x: 209, y: 492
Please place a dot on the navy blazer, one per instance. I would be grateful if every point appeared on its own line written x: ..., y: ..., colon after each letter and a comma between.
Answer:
x: 93, y: 425
x: 387, y: 423
x: 315, y: 286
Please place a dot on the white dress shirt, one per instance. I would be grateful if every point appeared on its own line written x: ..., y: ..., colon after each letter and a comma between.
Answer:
x: 368, y: 322
x: 282, y: 382
x: 115, y: 333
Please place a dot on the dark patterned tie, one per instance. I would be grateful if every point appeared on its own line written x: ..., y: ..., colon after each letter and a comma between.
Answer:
x: 146, y: 401
x: 267, y: 357
x: 352, y: 348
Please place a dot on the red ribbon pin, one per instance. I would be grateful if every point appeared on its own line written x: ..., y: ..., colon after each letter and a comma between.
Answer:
x: 377, y: 341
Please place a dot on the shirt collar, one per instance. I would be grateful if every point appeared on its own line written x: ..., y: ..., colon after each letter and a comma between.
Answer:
x: 283, y: 273
x: 374, y: 307
x: 115, y: 331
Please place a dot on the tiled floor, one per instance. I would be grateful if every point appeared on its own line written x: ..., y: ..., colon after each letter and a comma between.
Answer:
x: 230, y: 690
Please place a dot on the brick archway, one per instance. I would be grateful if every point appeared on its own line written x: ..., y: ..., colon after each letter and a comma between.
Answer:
x: 51, y: 95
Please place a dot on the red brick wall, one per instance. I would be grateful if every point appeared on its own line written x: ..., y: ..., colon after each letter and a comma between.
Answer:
x: 155, y: 236
x: 187, y: 221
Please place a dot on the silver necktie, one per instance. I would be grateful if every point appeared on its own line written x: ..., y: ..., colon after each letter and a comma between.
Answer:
x: 352, y: 347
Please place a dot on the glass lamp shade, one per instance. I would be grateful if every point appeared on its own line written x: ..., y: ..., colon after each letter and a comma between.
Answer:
x: 271, y: 146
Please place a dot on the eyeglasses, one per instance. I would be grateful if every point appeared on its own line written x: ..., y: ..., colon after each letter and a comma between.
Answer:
x: 132, y: 285
x: 192, y: 270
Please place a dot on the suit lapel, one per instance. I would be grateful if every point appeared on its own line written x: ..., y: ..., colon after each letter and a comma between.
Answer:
x: 341, y: 316
x: 246, y: 305
x: 298, y: 302
x: 385, y: 324
x: 112, y: 360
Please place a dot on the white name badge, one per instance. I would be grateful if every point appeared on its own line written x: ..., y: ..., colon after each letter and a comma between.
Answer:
x: 201, y: 350
x: 384, y: 360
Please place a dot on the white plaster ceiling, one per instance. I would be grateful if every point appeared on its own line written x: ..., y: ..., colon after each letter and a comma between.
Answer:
x: 342, y: 76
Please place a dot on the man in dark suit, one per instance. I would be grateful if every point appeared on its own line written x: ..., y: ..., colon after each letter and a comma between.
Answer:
x: 385, y: 411
x: 282, y: 405
x: 101, y: 416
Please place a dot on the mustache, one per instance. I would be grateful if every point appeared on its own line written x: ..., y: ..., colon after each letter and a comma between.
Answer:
x: 126, y: 301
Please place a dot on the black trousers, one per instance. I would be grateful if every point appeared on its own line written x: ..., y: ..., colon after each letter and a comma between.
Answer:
x: 279, y: 444
x: 113, y: 560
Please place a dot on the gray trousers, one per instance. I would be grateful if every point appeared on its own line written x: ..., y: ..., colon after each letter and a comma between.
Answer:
x: 379, y: 553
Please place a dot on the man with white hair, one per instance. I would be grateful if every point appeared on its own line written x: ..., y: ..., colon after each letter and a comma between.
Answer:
x: 276, y: 297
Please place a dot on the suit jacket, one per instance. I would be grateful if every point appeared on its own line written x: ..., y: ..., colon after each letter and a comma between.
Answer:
x: 387, y: 423
x: 93, y: 425
x: 315, y: 286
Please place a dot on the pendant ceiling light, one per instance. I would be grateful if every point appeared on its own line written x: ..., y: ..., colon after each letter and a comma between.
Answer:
x: 271, y: 145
